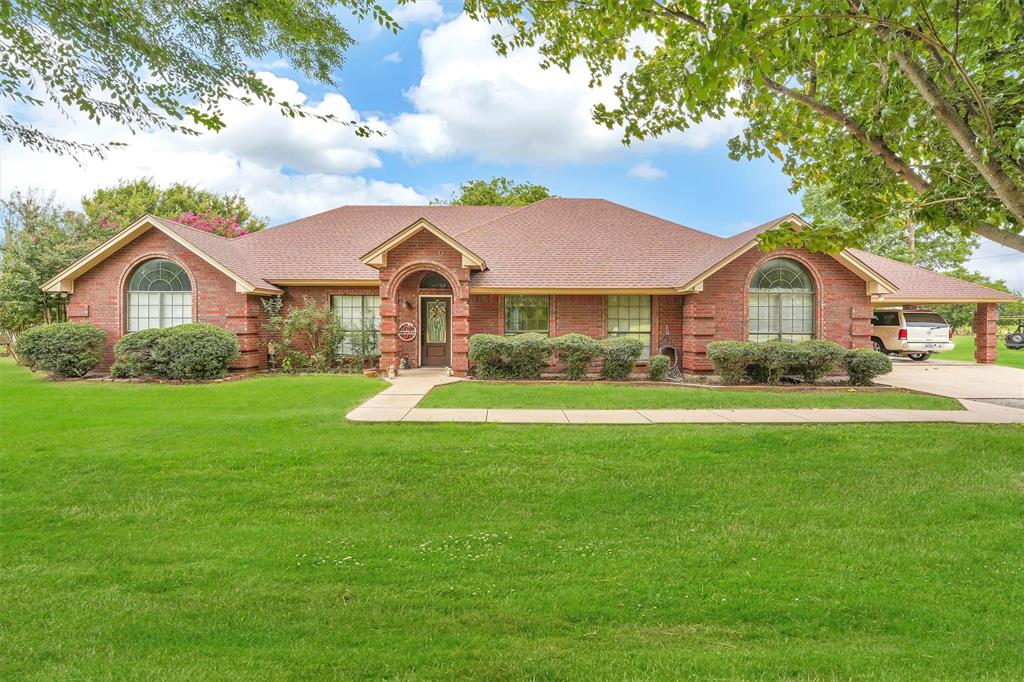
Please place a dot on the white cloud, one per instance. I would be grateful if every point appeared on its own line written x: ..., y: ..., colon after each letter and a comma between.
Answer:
x: 999, y: 262
x: 646, y: 171
x: 392, y: 58
x: 418, y: 12
x: 507, y: 109
x: 284, y: 167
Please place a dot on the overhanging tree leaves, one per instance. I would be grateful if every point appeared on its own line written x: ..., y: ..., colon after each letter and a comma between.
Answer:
x: 908, y: 108
x: 166, y: 64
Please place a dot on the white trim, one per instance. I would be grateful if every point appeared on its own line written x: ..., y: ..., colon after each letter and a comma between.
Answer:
x: 422, y: 337
x: 65, y: 280
x: 378, y: 257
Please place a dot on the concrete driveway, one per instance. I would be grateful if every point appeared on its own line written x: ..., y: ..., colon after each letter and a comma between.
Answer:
x: 959, y: 380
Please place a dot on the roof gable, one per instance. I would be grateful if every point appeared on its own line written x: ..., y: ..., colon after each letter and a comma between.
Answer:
x: 215, y: 250
x: 739, y: 244
x: 378, y: 256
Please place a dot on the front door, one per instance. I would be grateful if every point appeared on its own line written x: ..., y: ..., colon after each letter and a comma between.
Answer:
x: 436, y: 338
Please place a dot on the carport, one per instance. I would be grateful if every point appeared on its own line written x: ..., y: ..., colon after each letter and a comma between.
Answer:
x: 918, y: 288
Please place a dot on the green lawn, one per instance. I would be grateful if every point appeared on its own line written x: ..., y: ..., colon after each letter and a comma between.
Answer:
x: 611, y: 396
x: 964, y: 350
x: 246, y: 531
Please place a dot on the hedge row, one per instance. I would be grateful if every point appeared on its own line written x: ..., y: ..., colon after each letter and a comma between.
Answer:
x: 767, y: 363
x: 525, y: 356
x: 187, y: 351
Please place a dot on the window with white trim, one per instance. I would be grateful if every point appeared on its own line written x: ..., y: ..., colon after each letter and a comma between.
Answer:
x: 357, y: 314
x: 781, y: 302
x: 525, y: 314
x: 631, y: 316
x: 159, y: 295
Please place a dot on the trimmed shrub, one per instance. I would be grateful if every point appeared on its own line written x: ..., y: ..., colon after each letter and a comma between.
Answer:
x: 863, y: 365
x: 487, y: 352
x: 657, y: 370
x: 772, y: 360
x: 187, y: 351
x: 65, y: 349
x: 814, y: 359
x: 576, y: 352
x: 732, y: 359
x: 134, y: 354
x: 528, y: 355
x: 620, y: 356
x: 523, y: 356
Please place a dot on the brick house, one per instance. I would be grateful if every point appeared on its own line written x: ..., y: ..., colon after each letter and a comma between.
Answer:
x: 429, y: 277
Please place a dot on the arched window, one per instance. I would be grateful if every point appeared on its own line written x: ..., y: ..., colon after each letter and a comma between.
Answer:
x: 434, y: 280
x: 781, y: 302
x: 159, y: 295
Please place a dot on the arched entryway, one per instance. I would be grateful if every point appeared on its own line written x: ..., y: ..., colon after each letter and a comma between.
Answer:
x: 427, y: 301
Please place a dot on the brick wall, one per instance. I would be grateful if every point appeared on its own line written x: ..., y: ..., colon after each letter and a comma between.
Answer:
x: 100, y: 299
x: 407, y: 263
x: 721, y: 311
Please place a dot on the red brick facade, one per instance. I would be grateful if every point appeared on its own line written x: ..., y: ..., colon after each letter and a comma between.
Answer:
x: 721, y: 312
x: 985, y: 332
x: 100, y: 297
x: 682, y: 325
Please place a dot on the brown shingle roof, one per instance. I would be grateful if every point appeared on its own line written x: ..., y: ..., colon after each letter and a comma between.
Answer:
x: 225, y: 251
x: 918, y: 283
x: 551, y: 244
x: 328, y: 245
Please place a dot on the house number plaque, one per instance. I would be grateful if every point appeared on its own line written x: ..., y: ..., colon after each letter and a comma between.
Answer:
x: 407, y: 331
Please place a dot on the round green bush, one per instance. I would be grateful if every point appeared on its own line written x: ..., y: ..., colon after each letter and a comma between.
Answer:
x: 488, y: 353
x: 187, y: 351
x: 815, y: 358
x: 523, y: 356
x: 65, y: 349
x: 576, y: 352
x: 863, y: 365
x: 657, y: 370
x: 620, y: 356
x: 732, y: 359
x: 528, y: 355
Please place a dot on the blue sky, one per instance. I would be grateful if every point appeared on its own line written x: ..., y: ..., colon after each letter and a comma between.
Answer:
x: 452, y: 111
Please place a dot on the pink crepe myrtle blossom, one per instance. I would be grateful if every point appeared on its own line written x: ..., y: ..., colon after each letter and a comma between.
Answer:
x: 225, y: 227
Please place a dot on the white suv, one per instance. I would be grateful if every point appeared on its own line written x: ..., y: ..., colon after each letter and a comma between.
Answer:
x: 915, y: 334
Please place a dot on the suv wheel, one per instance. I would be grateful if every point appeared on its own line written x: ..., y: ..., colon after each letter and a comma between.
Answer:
x: 877, y: 345
x: 919, y: 357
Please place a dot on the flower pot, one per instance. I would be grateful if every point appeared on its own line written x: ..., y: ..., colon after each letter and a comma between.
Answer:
x: 369, y: 372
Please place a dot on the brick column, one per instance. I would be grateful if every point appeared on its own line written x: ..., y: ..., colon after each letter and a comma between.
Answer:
x: 460, y: 324
x: 698, y: 331
x: 985, y: 332
x: 388, y: 325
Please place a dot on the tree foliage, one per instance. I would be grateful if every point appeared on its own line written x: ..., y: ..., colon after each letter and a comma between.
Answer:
x: 907, y: 108
x: 119, y: 206
x: 498, y: 191
x: 896, y: 236
x: 38, y: 239
x: 163, y: 63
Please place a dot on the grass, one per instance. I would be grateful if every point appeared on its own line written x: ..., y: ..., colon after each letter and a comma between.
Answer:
x: 964, y: 350
x: 616, y: 396
x: 246, y: 531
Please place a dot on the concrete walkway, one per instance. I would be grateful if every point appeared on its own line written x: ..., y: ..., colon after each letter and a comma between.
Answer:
x: 397, y: 403
x: 957, y: 379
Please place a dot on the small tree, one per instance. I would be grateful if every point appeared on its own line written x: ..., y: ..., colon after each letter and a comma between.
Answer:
x: 306, y: 337
x: 365, y: 341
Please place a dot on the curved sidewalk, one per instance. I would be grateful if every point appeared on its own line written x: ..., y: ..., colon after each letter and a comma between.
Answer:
x: 397, y: 403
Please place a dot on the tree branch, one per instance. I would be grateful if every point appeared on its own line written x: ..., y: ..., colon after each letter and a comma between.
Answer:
x: 875, y: 144
x: 1007, y: 238
x: 962, y: 133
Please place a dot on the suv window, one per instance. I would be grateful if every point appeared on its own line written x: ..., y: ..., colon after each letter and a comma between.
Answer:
x: 924, y: 320
x: 886, y: 319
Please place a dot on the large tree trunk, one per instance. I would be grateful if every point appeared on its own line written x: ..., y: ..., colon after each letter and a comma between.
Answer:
x: 963, y: 134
